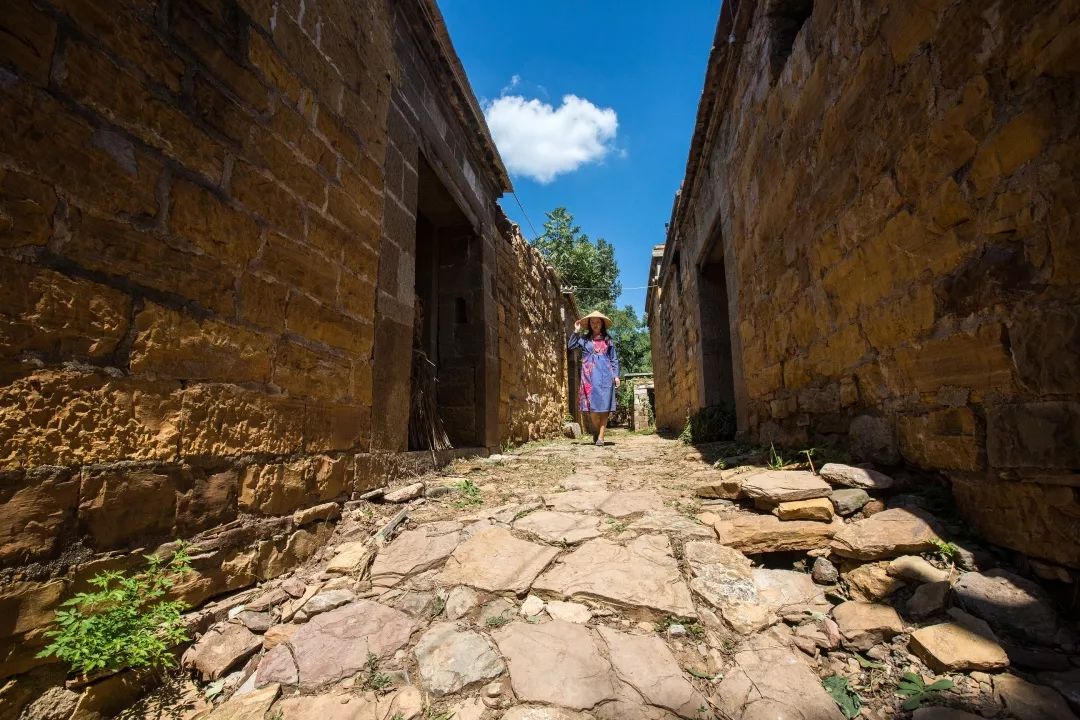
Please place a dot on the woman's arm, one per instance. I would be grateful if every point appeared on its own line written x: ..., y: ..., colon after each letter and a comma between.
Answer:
x: 577, y: 340
x: 614, y: 362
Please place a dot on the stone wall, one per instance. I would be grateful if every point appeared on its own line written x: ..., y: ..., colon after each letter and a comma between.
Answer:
x: 883, y: 196
x: 534, y: 321
x: 208, y: 234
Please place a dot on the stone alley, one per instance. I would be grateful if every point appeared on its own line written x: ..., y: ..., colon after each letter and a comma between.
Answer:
x: 636, y: 581
x: 289, y: 428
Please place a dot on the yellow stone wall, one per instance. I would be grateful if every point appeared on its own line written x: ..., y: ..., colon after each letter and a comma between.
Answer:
x: 893, y: 197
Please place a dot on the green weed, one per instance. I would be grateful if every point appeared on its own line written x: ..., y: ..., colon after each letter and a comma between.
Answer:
x: 470, y: 493
x: 126, y: 622
x: 843, y: 695
x: 915, y: 689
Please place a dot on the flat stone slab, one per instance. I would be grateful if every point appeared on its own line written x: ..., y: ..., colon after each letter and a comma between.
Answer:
x: 753, y: 533
x: 452, y: 659
x: 415, y: 551
x: 642, y: 574
x: 777, y: 486
x: 888, y: 534
x: 324, y: 602
x: 855, y: 477
x: 554, y: 527
x: 769, y: 681
x: 542, y: 713
x: 249, y: 706
x: 724, y: 578
x: 328, y: 706
x: 864, y: 624
x: 1010, y: 603
x: 557, y: 663
x: 616, y: 504
x: 351, y: 557
x: 669, y: 521
x: 496, y: 561
x: 568, y: 611
x: 221, y: 649
x: 787, y: 591
x: 335, y: 645
x: 965, y: 645
x: 584, y: 481
x: 645, y: 663
x: 1028, y: 701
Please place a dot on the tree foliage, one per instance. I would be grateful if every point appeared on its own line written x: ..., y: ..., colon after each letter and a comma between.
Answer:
x: 590, y: 271
x: 587, y: 268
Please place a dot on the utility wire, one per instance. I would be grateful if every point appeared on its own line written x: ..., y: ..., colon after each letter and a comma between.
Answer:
x: 531, y: 226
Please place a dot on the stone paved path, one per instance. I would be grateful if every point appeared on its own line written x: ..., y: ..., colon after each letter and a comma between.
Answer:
x: 615, y: 584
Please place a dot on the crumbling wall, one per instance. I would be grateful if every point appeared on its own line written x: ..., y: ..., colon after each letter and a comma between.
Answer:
x: 534, y: 320
x: 893, y: 197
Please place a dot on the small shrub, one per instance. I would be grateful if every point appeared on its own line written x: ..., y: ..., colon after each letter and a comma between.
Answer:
x: 709, y: 424
x: 497, y: 621
x: 470, y: 494
x: 915, y: 689
x: 946, y: 551
x: 126, y: 622
x: 377, y: 681
x: 437, y: 606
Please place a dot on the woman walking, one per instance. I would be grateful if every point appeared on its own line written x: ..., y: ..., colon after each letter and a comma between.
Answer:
x: 599, y: 370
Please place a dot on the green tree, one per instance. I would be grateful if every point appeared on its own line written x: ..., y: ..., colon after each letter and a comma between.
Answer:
x: 586, y: 268
x: 632, y: 337
x: 590, y: 271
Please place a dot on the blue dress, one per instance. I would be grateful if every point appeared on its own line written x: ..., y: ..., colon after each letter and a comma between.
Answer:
x: 596, y: 391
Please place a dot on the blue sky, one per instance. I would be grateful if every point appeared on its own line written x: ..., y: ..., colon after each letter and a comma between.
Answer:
x: 615, y: 155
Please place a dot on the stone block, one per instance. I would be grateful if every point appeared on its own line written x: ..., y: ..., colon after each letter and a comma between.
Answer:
x: 298, y: 266
x: 92, y: 78
x: 210, y: 223
x: 26, y: 210
x: 60, y: 417
x: 304, y: 372
x: 261, y: 302
x: 319, y: 323
x: 225, y: 420
x: 275, y: 489
x: 148, y: 260
x: 260, y: 194
x: 37, y: 511
x: 211, y: 500
x: 1044, y: 343
x: 941, y: 440
x: 117, y: 507
x: 333, y: 426
x: 170, y: 344
x: 1034, y: 435
x: 31, y: 36
x: 42, y: 311
x: 1032, y: 518
x: 125, y: 177
x: 978, y: 360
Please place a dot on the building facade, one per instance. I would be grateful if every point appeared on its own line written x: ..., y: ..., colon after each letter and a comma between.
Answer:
x: 875, y: 245
x: 227, y: 232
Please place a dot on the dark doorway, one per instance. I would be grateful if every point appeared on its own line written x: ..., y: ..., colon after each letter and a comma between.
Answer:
x: 448, y: 337
x: 718, y: 385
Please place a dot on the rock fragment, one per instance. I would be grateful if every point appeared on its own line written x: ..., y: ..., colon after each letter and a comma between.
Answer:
x: 864, y: 625
x: 855, y: 477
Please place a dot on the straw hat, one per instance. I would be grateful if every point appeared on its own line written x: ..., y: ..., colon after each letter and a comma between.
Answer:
x: 584, y: 322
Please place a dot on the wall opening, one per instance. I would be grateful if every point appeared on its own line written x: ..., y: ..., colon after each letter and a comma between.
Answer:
x: 785, y: 18
x: 718, y: 385
x: 448, y: 340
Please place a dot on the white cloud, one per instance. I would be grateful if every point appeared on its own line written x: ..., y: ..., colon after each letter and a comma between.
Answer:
x: 542, y: 142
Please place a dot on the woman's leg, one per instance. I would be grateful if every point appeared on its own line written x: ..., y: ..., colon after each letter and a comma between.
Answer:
x: 601, y: 424
x: 594, y: 425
